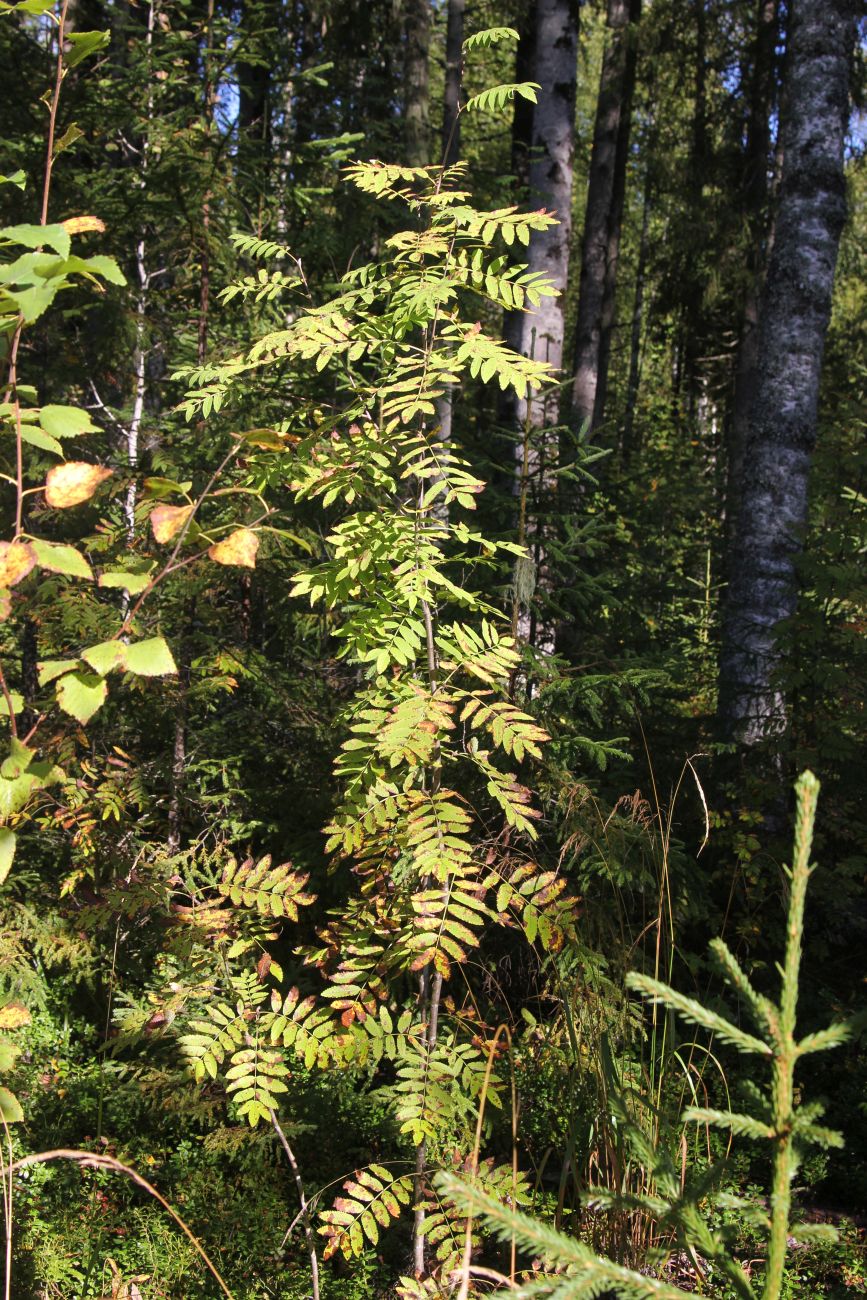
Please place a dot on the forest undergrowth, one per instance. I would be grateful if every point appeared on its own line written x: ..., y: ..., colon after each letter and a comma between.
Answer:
x: 394, y: 899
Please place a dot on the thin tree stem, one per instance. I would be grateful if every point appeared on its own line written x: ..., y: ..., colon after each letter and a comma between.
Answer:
x: 305, y: 1209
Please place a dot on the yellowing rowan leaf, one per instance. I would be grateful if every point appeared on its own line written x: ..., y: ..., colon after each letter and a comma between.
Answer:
x: 16, y: 561
x: 73, y: 482
x: 238, y: 548
x: 167, y: 521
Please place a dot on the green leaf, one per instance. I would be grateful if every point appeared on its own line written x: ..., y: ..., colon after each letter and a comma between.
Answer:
x: 17, y: 178
x: 17, y: 703
x: 81, y: 695
x: 31, y: 303
x: 51, y: 668
x: 66, y: 421
x: 31, y: 236
x: 69, y: 137
x: 10, y: 1107
x: 83, y: 44
x: 60, y: 558
x: 7, y: 852
x: 37, y: 7
x: 8, y: 1054
x: 106, y: 656
x: 104, y: 266
x: 156, y: 486
x: 37, y: 438
x: 134, y: 583
x: 151, y: 658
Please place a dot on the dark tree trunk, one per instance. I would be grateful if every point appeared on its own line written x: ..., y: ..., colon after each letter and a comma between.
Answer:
x: 451, y: 152
x: 604, y: 214
x: 755, y: 205
x: 254, y: 75
x: 416, y: 99
x: 540, y: 332
x: 631, y: 442
x: 451, y: 134
x: 780, y: 428
x: 522, y: 139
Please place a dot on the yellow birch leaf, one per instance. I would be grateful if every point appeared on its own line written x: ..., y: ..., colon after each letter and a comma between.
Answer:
x: 16, y: 561
x: 73, y: 482
x: 83, y: 225
x: 13, y: 1016
x: 167, y: 521
x: 238, y: 548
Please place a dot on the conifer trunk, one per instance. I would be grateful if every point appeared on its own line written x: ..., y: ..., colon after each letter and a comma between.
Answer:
x: 755, y: 202
x: 631, y: 442
x: 539, y: 333
x: 416, y: 101
x: 604, y: 214
x: 451, y: 152
x: 451, y: 134
x: 780, y: 427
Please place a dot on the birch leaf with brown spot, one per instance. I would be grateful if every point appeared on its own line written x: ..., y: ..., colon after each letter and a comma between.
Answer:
x: 83, y: 225
x: 73, y: 482
x: 167, y: 521
x: 238, y: 548
x: 16, y: 561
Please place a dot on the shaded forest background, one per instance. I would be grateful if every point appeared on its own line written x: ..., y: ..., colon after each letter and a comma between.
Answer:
x: 657, y: 137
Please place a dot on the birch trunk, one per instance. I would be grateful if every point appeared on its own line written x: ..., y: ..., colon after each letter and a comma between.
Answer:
x: 604, y: 214
x: 780, y: 429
